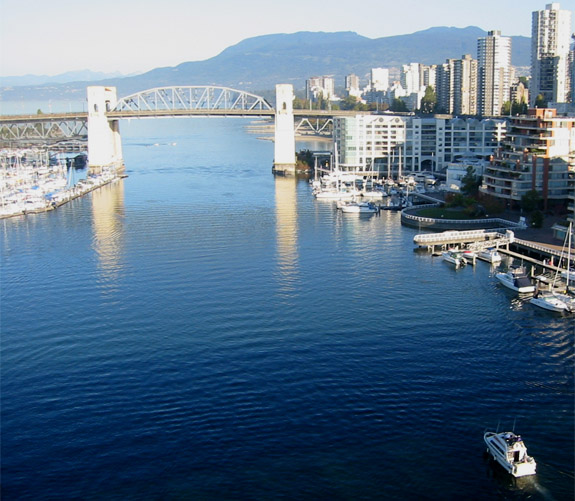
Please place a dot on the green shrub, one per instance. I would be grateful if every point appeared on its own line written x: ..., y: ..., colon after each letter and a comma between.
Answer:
x: 536, y: 219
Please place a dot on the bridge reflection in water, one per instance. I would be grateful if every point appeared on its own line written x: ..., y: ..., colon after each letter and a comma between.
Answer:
x: 287, y: 231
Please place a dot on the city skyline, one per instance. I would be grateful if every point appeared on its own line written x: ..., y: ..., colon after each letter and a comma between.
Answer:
x: 130, y: 37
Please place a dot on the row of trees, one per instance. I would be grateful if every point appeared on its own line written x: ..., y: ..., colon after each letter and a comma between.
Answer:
x: 428, y: 105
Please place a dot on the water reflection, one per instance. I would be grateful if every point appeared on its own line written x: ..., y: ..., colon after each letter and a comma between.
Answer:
x: 108, y: 238
x: 286, y: 230
x: 509, y: 486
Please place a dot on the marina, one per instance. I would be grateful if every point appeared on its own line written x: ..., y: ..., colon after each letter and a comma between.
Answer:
x: 32, y: 181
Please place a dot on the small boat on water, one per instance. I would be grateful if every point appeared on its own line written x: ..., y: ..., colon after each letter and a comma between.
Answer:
x: 490, y: 255
x: 548, y: 300
x: 455, y: 257
x: 509, y: 451
x: 517, y: 280
x: 358, y: 207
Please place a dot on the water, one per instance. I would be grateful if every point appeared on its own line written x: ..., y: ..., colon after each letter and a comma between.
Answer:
x: 205, y: 330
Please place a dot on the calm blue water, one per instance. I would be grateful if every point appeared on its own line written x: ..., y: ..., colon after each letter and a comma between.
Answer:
x: 205, y: 330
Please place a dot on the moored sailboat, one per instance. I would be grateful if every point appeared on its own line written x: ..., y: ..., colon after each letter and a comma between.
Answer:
x: 553, y: 300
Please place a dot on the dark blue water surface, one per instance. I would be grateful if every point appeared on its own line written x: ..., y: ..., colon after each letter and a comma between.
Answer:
x: 205, y: 330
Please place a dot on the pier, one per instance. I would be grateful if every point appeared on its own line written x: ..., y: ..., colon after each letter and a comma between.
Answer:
x: 545, y: 257
x: 473, y: 240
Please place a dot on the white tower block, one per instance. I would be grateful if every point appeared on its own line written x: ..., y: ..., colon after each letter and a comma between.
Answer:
x: 284, y: 147
x: 104, y: 141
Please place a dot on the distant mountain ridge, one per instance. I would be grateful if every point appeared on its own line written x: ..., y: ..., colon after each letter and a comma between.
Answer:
x: 70, y: 76
x: 259, y: 63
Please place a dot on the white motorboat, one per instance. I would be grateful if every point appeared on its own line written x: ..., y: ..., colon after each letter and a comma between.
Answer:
x: 517, y: 280
x: 509, y: 451
x: 358, y: 207
x: 454, y: 257
x: 490, y: 255
x: 335, y: 194
x: 549, y: 301
x: 373, y: 194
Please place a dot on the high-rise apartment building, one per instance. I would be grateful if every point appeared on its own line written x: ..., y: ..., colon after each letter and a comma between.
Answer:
x: 456, y: 86
x: 379, y: 79
x: 352, y: 85
x: 427, y: 75
x: 465, y: 86
x: 538, y: 153
x: 317, y: 87
x: 444, y: 87
x: 550, y: 40
x: 494, y: 72
x: 410, y: 80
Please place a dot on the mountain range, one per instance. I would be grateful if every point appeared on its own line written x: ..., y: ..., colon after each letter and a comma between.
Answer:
x: 258, y: 63
x: 69, y: 76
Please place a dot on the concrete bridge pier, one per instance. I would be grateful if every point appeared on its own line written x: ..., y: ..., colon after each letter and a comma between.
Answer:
x: 284, y: 145
x: 104, y: 140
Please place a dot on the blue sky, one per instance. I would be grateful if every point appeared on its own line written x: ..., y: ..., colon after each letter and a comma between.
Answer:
x: 48, y: 37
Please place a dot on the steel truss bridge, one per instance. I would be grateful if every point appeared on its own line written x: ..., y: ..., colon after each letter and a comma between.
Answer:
x: 67, y: 130
x: 185, y: 101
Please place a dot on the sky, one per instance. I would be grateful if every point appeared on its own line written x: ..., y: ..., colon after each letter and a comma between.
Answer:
x: 49, y: 37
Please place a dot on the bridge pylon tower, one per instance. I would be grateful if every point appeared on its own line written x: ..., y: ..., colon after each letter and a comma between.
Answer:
x: 104, y: 140
x: 284, y: 145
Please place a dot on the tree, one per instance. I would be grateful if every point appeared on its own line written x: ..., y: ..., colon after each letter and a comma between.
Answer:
x: 540, y: 101
x: 530, y: 201
x: 305, y: 159
x: 470, y: 183
x: 398, y: 105
x: 429, y: 101
x: 519, y: 108
x: 300, y: 104
x: 536, y: 219
x: 514, y: 108
x: 348, y: 103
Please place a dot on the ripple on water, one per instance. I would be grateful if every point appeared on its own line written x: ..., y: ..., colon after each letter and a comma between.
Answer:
x: 207, y: 331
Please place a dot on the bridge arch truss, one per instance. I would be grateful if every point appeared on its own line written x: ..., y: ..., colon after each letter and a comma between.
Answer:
x: 191, y: 98
x: 36, y: 131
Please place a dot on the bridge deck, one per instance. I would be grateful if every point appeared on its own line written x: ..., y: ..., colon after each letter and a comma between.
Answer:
x: 44, y: 117
x: 116, y: 115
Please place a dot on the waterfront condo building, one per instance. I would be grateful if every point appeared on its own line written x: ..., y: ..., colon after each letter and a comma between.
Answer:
x: 392, y: 143
x: 364, y: 140
x: 538, y: 153
x: 550, y: 65
x: 494, y: 73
